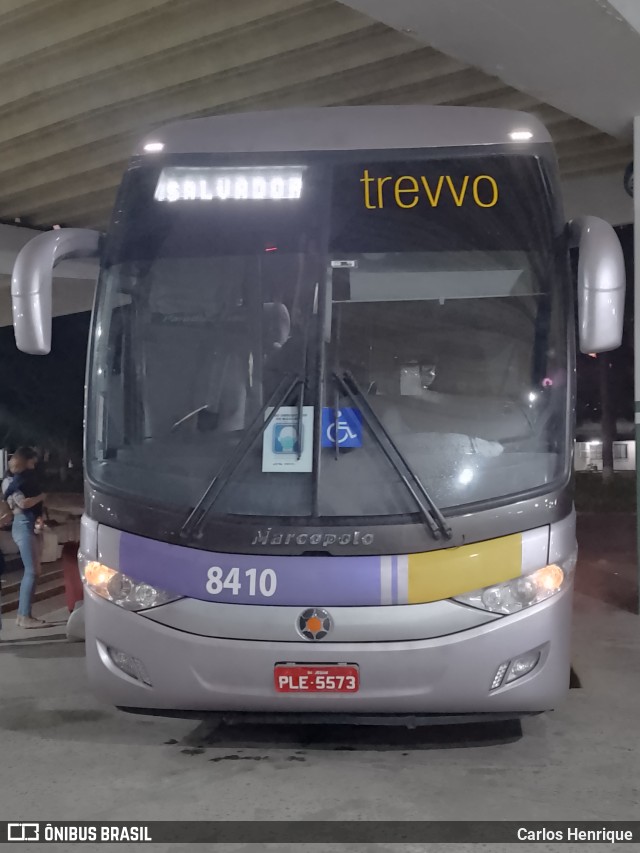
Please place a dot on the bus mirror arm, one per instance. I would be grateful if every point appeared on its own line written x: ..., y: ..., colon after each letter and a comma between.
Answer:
x: 31, y: 283
x: 601, y: 284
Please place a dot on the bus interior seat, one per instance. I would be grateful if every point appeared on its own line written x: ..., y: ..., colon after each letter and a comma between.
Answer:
x: 171, y: 358
x: 229, y: 378
x: 276, y: 325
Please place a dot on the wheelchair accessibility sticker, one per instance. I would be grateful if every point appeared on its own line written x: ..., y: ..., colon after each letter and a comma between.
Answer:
x: 349, y: 427
x: 284, y: 448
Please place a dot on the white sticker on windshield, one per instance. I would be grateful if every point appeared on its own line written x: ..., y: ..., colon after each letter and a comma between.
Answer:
x: 286, y: 448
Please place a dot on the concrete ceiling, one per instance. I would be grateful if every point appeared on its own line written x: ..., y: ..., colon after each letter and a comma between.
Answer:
x: 581, y: 56
x: 81, y: 81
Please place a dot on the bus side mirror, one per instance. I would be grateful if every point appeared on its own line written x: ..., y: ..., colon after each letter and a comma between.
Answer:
x: 601, y: 284
x: 31, y: 283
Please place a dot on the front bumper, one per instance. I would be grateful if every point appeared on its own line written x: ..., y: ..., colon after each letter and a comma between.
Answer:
x: 445, y: 675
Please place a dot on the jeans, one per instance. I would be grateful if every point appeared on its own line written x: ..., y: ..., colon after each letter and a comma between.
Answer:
x: 29, y: 547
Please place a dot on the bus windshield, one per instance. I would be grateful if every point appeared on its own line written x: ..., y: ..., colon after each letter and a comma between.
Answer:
x: 433, y: 282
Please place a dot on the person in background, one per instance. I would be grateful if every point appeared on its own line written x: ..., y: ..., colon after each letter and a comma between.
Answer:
x: 2, y: 568
x: 6, y: 518
x: 32, y: 485
x: 22, y: 492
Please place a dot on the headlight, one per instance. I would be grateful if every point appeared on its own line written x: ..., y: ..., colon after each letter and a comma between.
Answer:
x: 122, y: 590
x: 521, y: 592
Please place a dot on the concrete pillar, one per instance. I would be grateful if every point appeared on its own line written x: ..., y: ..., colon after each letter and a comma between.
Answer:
x: 636, y: 332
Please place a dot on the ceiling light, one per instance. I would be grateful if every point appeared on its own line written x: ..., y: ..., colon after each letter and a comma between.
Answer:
x: 520, y: 135
x: 154, y: 146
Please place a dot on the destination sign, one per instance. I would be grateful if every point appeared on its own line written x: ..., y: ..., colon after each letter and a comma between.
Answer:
x: 185, y: 183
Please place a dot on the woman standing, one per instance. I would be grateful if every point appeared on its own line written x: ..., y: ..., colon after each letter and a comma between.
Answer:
x: 22, y: 492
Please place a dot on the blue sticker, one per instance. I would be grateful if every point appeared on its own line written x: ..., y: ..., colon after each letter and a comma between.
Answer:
x: 285, y: 438
x: 349, y: 427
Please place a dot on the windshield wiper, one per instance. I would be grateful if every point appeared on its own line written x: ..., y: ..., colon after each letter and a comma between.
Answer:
x: 188, y: 417
x: 430, y: 514
x: 197, y: 516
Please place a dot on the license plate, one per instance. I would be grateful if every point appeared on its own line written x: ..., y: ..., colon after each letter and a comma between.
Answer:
x: 335, y: 678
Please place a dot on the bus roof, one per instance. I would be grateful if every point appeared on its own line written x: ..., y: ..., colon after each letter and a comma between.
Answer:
x: 346, y: 128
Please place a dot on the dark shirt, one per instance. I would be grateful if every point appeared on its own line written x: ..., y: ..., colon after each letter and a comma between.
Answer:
x: 28, y: 484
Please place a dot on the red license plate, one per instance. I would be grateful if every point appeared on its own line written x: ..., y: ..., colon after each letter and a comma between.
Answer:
x: 335, y: 678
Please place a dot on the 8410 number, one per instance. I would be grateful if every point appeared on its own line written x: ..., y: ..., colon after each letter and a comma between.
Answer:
x: 262, y: 583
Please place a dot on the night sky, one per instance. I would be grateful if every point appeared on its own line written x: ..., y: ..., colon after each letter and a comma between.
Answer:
x: 43, y: 396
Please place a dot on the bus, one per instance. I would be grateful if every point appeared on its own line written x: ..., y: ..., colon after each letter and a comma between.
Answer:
x: 330, y: 414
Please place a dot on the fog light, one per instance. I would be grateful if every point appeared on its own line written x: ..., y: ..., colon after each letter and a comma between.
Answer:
x: 497, y: 678
x: 522, y: 665
x: 133, y: 667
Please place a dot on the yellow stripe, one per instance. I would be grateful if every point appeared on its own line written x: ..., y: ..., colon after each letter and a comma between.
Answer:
x: 441, y: 574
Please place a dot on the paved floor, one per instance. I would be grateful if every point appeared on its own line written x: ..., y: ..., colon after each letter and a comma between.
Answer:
x: 66, y: 756
x: 608, y: 571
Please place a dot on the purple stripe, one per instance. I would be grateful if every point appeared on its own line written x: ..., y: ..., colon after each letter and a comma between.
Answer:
x: 394, y: 580
x: 300, y: 581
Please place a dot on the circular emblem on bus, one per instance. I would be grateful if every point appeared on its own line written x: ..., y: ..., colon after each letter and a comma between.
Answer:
x: 314, y: 623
